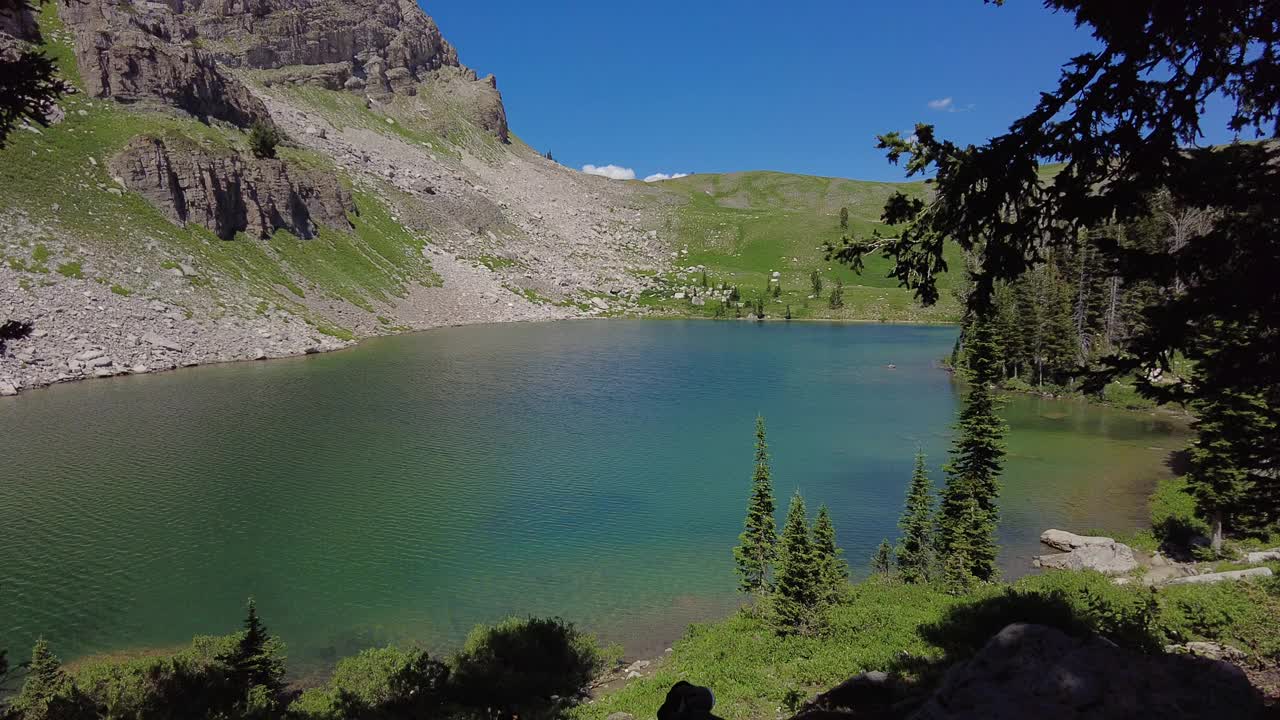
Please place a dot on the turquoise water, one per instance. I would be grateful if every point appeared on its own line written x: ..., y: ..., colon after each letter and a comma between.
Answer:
x: 414, y: 486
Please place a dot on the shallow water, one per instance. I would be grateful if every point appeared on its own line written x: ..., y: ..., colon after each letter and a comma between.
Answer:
x: 414, y: 486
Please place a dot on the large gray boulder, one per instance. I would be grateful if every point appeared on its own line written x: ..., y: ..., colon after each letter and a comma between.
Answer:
x: 1033, y: 671
x: 1264, y: 556
x: 1067, y: 541
x: 1112, y: 559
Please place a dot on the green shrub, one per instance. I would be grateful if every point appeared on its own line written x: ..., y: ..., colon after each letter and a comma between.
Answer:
x: 1173, y: 514
x: 121, y: 290
x: 263, y: 139
x: 513, y: 669
x: 379, y: 683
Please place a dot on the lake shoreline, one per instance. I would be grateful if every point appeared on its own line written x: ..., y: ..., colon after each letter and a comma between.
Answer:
x: 26, y: 385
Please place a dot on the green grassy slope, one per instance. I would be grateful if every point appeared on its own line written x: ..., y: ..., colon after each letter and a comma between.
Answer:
x: 745, y: 226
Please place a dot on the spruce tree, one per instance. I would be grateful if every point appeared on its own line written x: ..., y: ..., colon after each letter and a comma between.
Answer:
x: 255, y: 661
x: 798, y: 595
x: 815, y: 281
x: 1224, y: 458
x: 758, y: 543
x: 788, y: 315
x: 882, y: 561
x: 46, y: 680
x: 834, y: 572
x: 914, y: 556
x: 844, y: 218
x: 977, y: 455
x: 836, y: 301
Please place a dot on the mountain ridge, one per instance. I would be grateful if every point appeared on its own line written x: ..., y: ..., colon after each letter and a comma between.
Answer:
x: 452, y: 218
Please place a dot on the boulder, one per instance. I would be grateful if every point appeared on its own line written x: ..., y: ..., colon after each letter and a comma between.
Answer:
x: 7, y: 389
x: 1034, y: 671
x: 1066, y: 541
x: 1264, y: 556
x: 1114, y: 559
x: 88, y: 355
x: 620, y: 716
x: 160, y: 342
x: 1211, y: 650
x: 1211, y: 578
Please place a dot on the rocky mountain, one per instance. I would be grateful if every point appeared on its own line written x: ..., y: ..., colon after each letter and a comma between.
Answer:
x: 140, y: 233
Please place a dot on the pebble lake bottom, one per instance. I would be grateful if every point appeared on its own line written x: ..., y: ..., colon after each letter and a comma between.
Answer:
x: 407, y: 489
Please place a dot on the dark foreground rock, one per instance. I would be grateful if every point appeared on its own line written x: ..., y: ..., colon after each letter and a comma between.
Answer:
x: 1038, y: 672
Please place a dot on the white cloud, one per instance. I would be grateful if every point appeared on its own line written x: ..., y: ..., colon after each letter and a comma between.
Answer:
x: 613, y: 172
x: 658, y: 177
x: 948, y: 104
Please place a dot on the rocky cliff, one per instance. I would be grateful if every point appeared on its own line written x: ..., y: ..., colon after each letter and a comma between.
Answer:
x: 143, y: 51
x: 437, y: 215
x: 230, y: 193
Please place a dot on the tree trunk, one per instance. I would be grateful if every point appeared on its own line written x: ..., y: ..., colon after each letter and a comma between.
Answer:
x: 1215, y: 541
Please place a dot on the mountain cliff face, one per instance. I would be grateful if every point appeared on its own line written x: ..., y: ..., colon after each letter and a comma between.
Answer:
x: 229, y: 193
x: 141, y: 233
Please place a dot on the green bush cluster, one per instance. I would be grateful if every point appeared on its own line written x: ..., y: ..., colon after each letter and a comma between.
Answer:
x: 518, y: 668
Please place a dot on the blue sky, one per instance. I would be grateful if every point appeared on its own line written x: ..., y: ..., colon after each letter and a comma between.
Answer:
x: 716, y: 86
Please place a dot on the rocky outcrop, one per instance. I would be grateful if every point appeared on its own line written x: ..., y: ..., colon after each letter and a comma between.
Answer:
x: 1084, y: 552
x: 1211, y: 578
x: 142, y: 51
x: 1263, y: 556
x: 379, y: 48
x: 1067, y: 541
x: 1033, y: 671
x: 230, y: 193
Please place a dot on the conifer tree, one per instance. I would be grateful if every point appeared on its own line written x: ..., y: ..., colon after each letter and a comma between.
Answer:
x: 917, y: 526
x: 46, y: 679
x: 836, y: 301
x: 49, y: 693
x: 1225, y: 457
x: 977, y: 456
x: 844, y: 218
x: 788, y: 315
x: 815, y: 281
x: 834, y: 572
x: 758, y: 543
x: 256, y: 661
x: 882, y: 561
x: 798, y: 593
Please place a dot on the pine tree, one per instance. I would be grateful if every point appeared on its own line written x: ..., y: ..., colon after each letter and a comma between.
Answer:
x: 46, y: 681
x: 1225, y: 458
x: 882, y: 561
x: 799, y: 580
x: 255, y: 660
x: 977, y: 455
x: 758, y: 543
x: 834, y: 572
x: 815, y: 281
x: 837, y: 295
x: 914, y: 556
x: 844, y: 218
x: 777, y: 289
x: 788, y: 315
